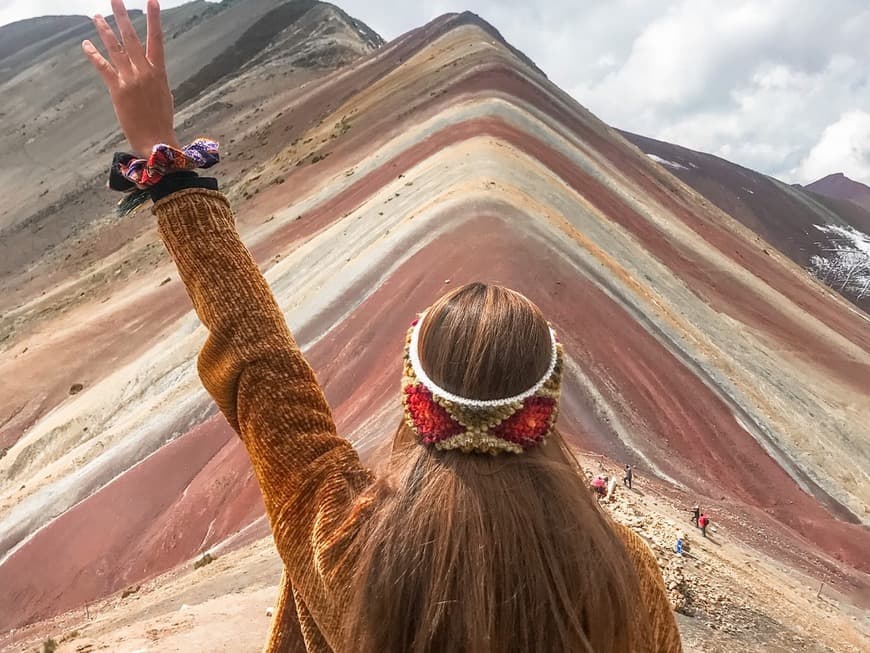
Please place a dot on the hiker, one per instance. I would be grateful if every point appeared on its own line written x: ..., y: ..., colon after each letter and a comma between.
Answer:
x: 599, y: 485
x: 696, y: 513
x: 703, y: 521
x: 678, y: 548
x: 626, y: 480
x: 467, y: 531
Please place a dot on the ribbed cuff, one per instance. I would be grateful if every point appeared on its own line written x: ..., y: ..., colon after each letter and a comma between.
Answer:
x: 177, y: 181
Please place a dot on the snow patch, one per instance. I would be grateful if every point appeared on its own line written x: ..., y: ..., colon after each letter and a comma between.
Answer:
x: 854, y: 238
x: 665, y: 162
x: 845, y: 263
x: 748, y: 190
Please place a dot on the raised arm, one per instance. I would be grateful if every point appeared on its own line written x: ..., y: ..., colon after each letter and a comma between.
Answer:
x: 250, y: 364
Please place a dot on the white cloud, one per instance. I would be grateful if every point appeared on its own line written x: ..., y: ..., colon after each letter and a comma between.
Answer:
x: 843, y: 147
x: 12, y: 10
x: 756, y: 83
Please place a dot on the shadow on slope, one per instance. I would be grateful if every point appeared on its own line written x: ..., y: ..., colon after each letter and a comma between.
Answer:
x: 256, y: 39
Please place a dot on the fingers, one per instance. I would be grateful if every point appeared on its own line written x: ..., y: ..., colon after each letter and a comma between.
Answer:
x: 103, y: 67
x: 154, y: 53
x: 117, y: 53
x: 128, y: 33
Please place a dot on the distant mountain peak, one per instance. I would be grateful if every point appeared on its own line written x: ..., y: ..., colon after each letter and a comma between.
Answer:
x: 833, y: 177
x: 839, y: 177
x: 838, y: 186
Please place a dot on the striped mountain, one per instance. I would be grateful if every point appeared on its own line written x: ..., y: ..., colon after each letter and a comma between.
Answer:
x: 366, y: 185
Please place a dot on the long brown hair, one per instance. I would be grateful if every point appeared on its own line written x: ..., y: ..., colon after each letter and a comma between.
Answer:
x: 488, y: 554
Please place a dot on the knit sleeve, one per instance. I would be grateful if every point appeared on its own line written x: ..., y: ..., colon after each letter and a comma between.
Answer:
x: 662, y: 631
x: 258, y: 377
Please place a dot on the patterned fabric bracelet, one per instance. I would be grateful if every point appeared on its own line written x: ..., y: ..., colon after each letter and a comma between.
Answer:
x: 135, y: 176
x: 201, y: 153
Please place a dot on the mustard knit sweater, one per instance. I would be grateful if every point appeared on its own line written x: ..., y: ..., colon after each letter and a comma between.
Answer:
x: 309, y: 475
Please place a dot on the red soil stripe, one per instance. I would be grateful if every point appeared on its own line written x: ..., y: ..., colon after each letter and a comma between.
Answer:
x: 145, y: 522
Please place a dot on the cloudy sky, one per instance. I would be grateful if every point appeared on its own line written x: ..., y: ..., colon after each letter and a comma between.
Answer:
x: 780, y: 86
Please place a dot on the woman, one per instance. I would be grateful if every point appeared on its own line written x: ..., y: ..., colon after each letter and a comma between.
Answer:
x: 479, y: 534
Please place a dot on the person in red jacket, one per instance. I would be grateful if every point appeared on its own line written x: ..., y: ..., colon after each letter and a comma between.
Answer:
x: 703, y: 521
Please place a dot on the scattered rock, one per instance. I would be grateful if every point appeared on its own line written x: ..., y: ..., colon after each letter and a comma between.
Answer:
x: 76, y: 388
x: 270, y: 612
x: 165, y: 281
x: 206, y: 559
x: 130, y: 591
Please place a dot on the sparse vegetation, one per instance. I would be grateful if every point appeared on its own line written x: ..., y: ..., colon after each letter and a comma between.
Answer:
x: 343, y: 126
x: 69, y: 636
x: 49, y: 646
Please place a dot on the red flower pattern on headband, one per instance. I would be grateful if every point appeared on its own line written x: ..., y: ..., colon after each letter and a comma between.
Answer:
x: 431, y: 421
x: 529, y: 425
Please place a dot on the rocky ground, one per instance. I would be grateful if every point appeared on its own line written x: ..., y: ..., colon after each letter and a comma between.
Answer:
x: 727, y: 597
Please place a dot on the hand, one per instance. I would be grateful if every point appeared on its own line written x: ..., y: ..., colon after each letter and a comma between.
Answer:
x: 136, y: 79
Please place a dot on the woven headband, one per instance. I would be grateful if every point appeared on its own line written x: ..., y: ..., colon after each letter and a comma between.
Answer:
x: 447, y: 421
